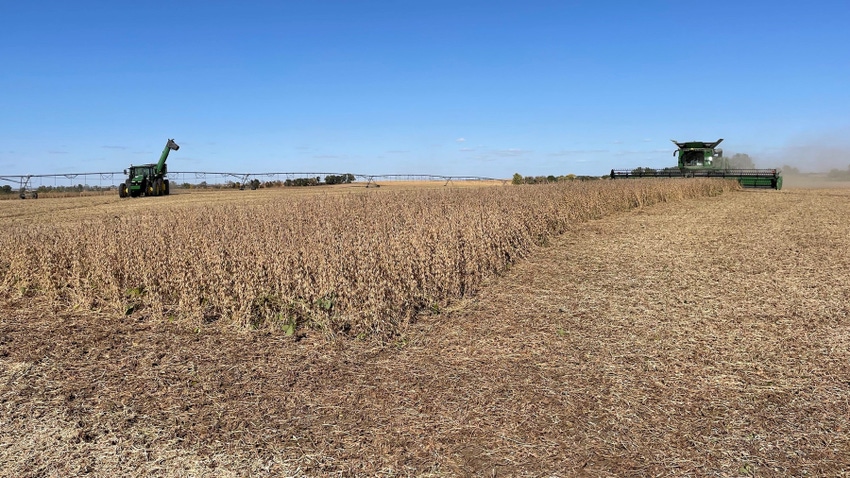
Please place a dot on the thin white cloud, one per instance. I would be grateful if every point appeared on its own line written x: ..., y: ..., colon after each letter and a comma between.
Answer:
x: 466, y: 150
x: 650, y: 152
x: 114, y: 147
x: 573, y: 152
x: 511, y: 152
x: 461, y: 140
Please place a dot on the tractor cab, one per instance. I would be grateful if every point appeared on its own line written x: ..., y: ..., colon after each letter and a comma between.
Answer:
x: 138, y: 174
x: 139, y: 180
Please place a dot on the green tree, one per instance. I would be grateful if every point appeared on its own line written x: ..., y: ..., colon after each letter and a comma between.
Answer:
x: 842, y: 174
x: 790, y: 170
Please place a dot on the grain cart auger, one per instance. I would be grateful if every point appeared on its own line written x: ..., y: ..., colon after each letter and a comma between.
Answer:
x: 698, y: 159
x: 148, y: 179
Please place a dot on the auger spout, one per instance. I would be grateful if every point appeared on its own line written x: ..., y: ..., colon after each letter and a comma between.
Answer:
x: 160, y: 166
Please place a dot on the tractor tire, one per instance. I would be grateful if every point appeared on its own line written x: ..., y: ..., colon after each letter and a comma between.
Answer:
x: 35, y: 195
x: 122, y: 190
x: 158, y: 187
x: 167, y: 189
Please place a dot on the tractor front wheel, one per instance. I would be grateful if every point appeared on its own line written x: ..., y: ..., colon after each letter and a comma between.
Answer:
x: 167, y: 190
x: 122, y: 190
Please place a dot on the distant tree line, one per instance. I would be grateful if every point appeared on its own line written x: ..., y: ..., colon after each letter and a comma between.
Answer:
x: 330, y: 179
x: 839, y: 174
x: 7, y: 190
x: 65, y: 189
x: 303, y: 182
x: 347, y: 178
x: 741, y: 161
x: 520, y: 179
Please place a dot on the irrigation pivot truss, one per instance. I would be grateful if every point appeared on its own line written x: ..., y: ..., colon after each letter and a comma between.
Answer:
x: 369, y: 178
x: 24, y: 180
x: 110, y: 179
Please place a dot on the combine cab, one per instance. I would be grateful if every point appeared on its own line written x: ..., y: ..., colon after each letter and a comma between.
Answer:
x: 698, y: 159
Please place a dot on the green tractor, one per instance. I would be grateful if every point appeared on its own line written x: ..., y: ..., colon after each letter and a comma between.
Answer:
x: 148, y: 179
x: 700, y: 159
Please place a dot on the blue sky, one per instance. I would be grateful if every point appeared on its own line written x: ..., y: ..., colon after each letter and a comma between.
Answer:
x: 483, y: 88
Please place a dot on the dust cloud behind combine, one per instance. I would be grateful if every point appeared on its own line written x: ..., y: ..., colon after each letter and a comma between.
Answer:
x: 812, y: 161
x: 813, y: 154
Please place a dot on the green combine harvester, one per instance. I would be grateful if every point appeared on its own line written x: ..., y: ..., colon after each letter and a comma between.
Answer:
x: 698, y: 159
x: 148, y: 179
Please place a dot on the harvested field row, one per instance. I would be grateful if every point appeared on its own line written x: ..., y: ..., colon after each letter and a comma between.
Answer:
x: 359, y: 263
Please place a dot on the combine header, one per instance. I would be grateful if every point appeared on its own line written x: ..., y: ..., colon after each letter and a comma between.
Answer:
x: 698, y: 159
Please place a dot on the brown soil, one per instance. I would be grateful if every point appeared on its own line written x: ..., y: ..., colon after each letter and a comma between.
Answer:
x: 700, y: 338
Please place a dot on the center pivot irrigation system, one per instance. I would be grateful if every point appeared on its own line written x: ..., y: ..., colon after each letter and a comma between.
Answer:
x: 23, y: 183
x: 151, y: 180
x: 30, y: 183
